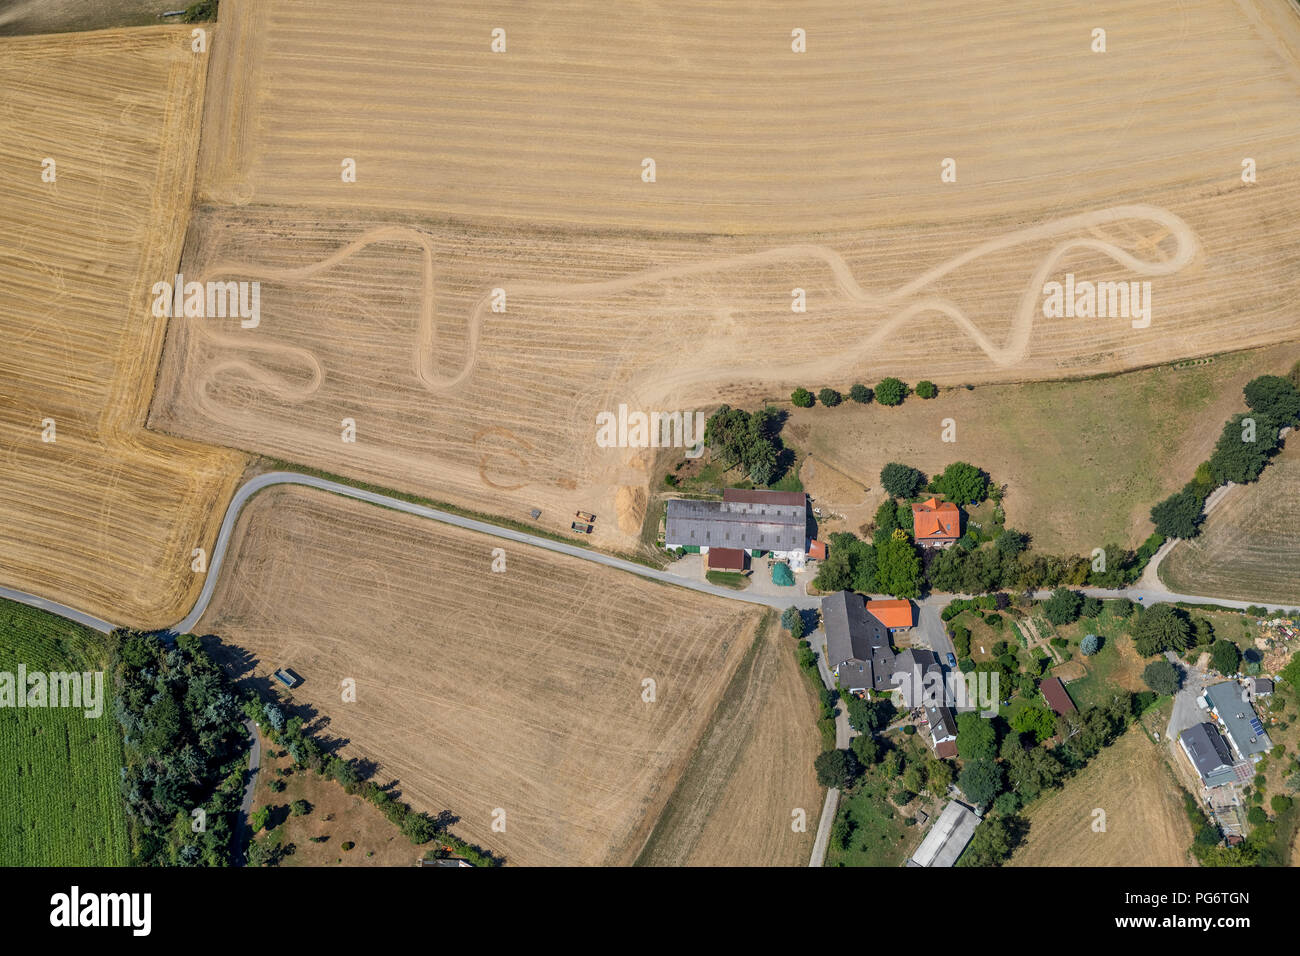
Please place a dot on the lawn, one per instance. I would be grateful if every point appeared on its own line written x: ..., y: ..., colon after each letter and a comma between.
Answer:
x: 59, y: 801
x: 728, y: 579
x: 879, y: 836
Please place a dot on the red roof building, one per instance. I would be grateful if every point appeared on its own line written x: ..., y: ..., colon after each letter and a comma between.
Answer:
x: 935, y: 523
x: 726, y: 559
x: 1057, y: 697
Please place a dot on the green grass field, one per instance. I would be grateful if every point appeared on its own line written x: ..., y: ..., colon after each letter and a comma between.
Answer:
x: 59, y: 801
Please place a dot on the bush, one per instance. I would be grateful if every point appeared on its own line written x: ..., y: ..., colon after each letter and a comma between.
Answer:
x: 348, y: 845
x: 277, y: 786
x: 1280, y: 803
x: 1090, y: 645
x: 909, y: 730
x: 860, y: 394
x: 802, y: 398
x: 300, y: 808
x: 1091, y: 607
x: 926, y: 389
x: 891, y: 391
x: 1257, y: 816
x: 829, y: 397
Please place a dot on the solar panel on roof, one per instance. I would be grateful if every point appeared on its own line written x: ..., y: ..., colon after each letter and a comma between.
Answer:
x: 1256, y: 726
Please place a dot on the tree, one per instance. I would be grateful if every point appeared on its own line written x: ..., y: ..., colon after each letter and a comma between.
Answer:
x: 1010, y: 542
x: 891, y: 391
x: 792, y: 621
x: 1091, y: 607
x: 898, y: 568
x: 1224, y: 657
x: 994, y: 839
x: 829, y: 397
x: 1090, y: 645
x: 1037, y: 721
x: 962, y: 483
x: 1274, y: 397
x: 1162, y: 677
x: 1291, y: 673
x: 1161, y: 627
x: 1280, y: 803
x: 901, y: 481
x: 802, y: 398
x: 1179, y: 515
x: 980, y: 780
x: 260, y: 817
x: 300, y: 808
x: 977, y: 738
x: 938, y: 777
x: 926, y: 389
x: 860, y: 394
x: 1063, y: 606
x: 837, y: 768
x: 1243, y: 449
x: 865, y: 748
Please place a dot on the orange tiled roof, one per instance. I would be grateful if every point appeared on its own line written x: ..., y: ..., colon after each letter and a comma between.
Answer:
x: 935, y: 519
x: 891, y: 613
x: 817, y: 549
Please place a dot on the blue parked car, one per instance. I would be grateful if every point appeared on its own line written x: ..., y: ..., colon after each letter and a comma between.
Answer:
x: 952, y: 661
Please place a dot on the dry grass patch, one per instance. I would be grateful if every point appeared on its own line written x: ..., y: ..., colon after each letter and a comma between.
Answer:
x: 1084, y: 460
x: 105, y: 517
x: 1145, y: 822
x: 519, y: 690
x: 1247, y: 548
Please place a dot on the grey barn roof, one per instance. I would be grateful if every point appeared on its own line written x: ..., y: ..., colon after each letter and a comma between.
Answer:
x: 947, y: 838
x: 857, y: 644
x: 1209, y: 753
x: 1239, y: 718
x: 769, y: 525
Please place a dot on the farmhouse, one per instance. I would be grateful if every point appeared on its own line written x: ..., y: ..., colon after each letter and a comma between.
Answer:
x: 754, y: 521
x: 947, y: 838
x: 935, y: 523
x: 1226, y: 702
x: 1057, y: 697
x: 857, y: 644
x: 943, y: 731
x: 1208, y: 753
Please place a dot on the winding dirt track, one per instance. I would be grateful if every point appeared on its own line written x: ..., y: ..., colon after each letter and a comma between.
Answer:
x: 902, y: 303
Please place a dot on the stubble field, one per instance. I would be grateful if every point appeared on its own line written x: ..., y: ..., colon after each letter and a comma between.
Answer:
x: 1248, y: 545
x: 103, y: 517
x: 521, y: 171
x: 518, y: 691
x: 1144, y: 823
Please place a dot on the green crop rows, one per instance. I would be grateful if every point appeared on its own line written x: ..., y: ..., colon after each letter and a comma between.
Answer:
x: 59, y: 770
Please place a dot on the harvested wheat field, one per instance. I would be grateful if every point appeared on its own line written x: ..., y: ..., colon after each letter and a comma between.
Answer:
x: 1248, y: 545
x: 479, y: 691
x: 1145, y: 824
x: 735, y: 804
x: 1077, y: 479
x: 775, y: 170
x: 103, y: 517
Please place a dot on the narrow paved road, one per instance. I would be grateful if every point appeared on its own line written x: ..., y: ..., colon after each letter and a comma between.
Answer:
x: 244, y: 832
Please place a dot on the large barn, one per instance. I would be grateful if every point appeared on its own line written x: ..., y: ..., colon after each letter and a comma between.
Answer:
x: 756, y: 521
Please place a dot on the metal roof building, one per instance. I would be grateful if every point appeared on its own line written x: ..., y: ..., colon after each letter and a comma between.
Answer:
x: 947, y: 838
x: 747, y: 520
x: 1208, y: 753
x: 1239, y: 720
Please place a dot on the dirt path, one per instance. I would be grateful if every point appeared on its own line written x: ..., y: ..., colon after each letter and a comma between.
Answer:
x: 902, y: 304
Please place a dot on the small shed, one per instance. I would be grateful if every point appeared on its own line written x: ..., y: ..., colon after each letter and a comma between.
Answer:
x: 726, y: 559
x: 1057, y: 697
